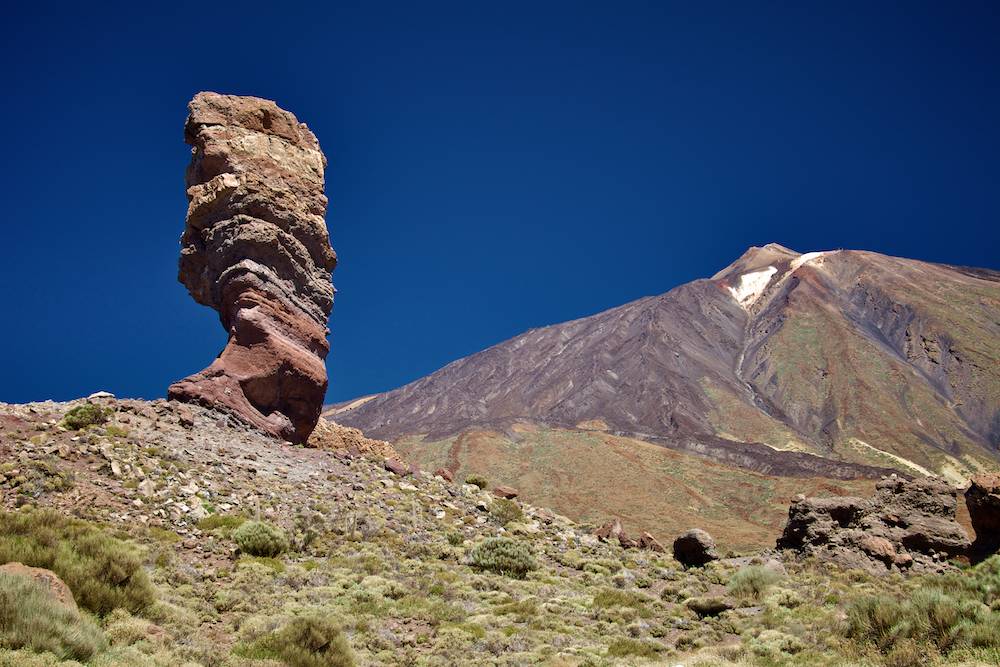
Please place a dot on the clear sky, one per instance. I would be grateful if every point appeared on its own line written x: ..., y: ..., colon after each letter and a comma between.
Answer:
x: 494, y: 166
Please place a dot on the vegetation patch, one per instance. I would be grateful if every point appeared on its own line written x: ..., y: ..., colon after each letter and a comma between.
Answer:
x: 85, y: 415
x: 503, y: 555
x: 506, y: 511
x: 31, y: 618
x: 477, y: 480
x: 103, y: 572
x: 306, y: 641
x: 258, y: 538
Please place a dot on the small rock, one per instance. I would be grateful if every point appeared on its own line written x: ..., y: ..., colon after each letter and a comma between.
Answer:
x: 709, y: 606
x: 647, y: 541
x: 507, y: 492
x: 445, y: 474
x: 184, y: 415
x: 397, y: 467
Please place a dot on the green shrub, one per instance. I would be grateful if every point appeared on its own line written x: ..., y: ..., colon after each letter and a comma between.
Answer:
x: 306, y: 641
x: 505, y: 511
x: 610, y: 598
x: 224, y: 523
x: 103, y: 573
x: 455, y: 539
x: 503, y: 555
x: 477, y: 480
x: 750, y: 584
x: 30, y: 617
x: 938, y: 621
x: 624, y: 647
x: 257, y: 538
x: 84, y: 415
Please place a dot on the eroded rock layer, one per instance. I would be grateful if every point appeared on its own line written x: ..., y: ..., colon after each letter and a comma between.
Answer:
x: 907, y: 526
x: 256, y: 249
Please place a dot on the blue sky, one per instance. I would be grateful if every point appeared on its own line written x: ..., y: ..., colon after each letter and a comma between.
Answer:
x: 493, y: 166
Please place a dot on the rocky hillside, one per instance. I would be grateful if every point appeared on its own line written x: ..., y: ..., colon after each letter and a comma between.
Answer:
x: 833, y: 365
x: 185, y: 537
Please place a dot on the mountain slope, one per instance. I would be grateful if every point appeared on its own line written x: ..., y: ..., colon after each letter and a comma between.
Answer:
x: 850, y: 358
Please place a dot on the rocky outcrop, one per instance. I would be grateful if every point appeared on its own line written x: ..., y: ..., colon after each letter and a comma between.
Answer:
x: 256, y: 249
x: 334, y: 437
x: 612, y: 532
x: 983, y: 500
x: 695, y: 548
x: 906, y: 526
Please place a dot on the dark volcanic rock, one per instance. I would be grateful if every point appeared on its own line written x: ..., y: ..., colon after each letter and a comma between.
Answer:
x: 695, y: 548
x: 906, y: 525
x: 983, y: 501
x: 256, y: 249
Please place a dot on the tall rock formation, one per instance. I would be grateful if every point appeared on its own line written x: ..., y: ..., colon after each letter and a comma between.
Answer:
x: 256, y: 249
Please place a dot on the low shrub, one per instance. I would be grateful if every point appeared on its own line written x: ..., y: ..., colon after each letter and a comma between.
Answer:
x: 31, y: 618
x: 477, y: 480
x: 935, y: 620
x: 84, y: 415
x: 750, y: 584
x: 306, y: 641
x: 224, y: 523
x: 503, y: 555
x: 624, y: 647
x: 506, y: 511
x: 257, y: 538
x: 103, y: 572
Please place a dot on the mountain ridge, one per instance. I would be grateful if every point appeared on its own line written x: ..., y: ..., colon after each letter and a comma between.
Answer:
x: 835, y: 354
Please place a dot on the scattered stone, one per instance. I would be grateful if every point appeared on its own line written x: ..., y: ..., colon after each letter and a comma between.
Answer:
x: 256, y: 249
x: 445, y: 474
x: 695, y: 548
x: 507, y: 492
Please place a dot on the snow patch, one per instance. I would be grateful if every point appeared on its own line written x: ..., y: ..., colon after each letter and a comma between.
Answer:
x: 808, y: 257
x: 752, y: 285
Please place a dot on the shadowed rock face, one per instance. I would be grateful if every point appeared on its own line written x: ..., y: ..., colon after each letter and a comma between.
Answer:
x: 256, y: 249
x: 983, y: 500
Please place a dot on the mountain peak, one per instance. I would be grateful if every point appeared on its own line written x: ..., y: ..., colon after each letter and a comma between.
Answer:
x: 756, y: 259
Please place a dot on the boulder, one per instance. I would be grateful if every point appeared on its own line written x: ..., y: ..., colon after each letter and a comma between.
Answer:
x: 695, y: 548
x: 47, y: 578
x: 906, y: 526
x: 647, y: 541
x: 445, y: 474
x: 611, y: 531
x: 983, y: 500
x: 256, y: 249
x: 507, y: 492
x: 397, y: 467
